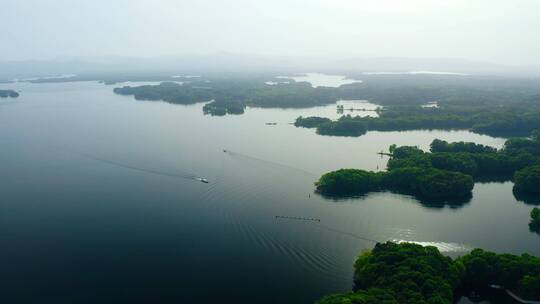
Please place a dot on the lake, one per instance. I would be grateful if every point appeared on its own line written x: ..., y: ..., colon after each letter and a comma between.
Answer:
x: 99, y: 202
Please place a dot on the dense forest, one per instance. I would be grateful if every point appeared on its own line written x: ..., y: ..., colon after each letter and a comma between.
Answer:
x: 410, y: 273
x: 427, y: 184
x: 447, y: 172
x: 534, y: 224
x: 222, y: 107
x: 490, y: 106
x: 171, y: 92
x: 8, y: 93
x: 446, y: 90
x: 232, y: 95
x: 493, y: 106
x: 505, y: 120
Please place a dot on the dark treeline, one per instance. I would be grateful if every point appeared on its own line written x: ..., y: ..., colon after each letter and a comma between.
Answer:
x: 410, y: 273
x: 505, y: 120
x: 494, y: 106
x: 311, y: 122
x: 8, y: 93
x: 222, y: 107
x: 534, y: 224
x: 481, y: 162
x: 487, y: 106
x: 233, y: 95
x: 167, y: 91
x: 447, y: 172
x: 427, y: 184
x: 445, y: 89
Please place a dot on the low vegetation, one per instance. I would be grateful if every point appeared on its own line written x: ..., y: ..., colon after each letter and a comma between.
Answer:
x: 410, y: 273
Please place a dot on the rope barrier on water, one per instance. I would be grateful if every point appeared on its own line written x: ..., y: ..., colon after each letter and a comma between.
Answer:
x: 320, y: 226
x: 298, y: 218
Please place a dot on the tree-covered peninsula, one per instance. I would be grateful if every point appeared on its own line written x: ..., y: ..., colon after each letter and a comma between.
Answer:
x: 426, y: 183
x: 231, y: 96
x: 487, y: 106
x: 527, y: 180
x: 504, y: 120
x: 8, y: 93
x: 409, y: 273
x: 447, y: 172
x: 171, y: 92
x: 534, y: 224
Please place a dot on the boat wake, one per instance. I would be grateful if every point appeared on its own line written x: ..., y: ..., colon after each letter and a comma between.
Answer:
x: 178, y: 174
x: 260, y: 160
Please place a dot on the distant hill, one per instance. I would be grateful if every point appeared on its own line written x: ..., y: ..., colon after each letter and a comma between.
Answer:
x: 247, y: 63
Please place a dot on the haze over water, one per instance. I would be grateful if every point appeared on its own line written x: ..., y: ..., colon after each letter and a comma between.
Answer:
x: 70, y: 222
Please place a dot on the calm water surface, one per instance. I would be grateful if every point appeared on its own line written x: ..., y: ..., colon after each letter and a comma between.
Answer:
x: 97, y: 203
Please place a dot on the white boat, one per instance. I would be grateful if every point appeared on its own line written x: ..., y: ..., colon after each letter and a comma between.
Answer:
x: 202, y: 179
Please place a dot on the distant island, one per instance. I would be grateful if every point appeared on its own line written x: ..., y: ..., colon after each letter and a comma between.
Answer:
x: 223, y: 107
x: 501, y: 107
x: 409, y: 273
x: 171, y: 92
x: 447, y: 172
x: 484, y: 106
x: 232, y: 96
x: 507, y: 120
x: 8, y: 93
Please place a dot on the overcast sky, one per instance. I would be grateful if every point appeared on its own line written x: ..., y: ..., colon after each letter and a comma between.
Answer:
x: 506, y: 32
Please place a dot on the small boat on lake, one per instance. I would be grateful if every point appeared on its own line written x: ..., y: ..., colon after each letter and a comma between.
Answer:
x: 202, y: 180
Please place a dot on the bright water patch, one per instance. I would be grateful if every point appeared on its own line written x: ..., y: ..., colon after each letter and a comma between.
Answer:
x: 322, y: 80
x: 432, y: 104
x: 442, y: 246
x: 275, y: 82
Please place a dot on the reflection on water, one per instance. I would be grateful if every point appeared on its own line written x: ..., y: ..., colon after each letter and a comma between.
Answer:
x: 442, y: 246
x: 87, y: 231
x: 331, y: 111
x: 432, y: 104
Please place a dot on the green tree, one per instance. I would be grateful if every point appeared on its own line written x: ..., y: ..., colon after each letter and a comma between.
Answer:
x: 527, y: 180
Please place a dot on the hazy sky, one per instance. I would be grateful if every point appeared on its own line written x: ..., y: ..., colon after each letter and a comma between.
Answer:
x: 491, y: 30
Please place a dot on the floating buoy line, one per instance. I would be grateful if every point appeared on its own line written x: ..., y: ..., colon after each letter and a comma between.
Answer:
x: 298, y: 218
